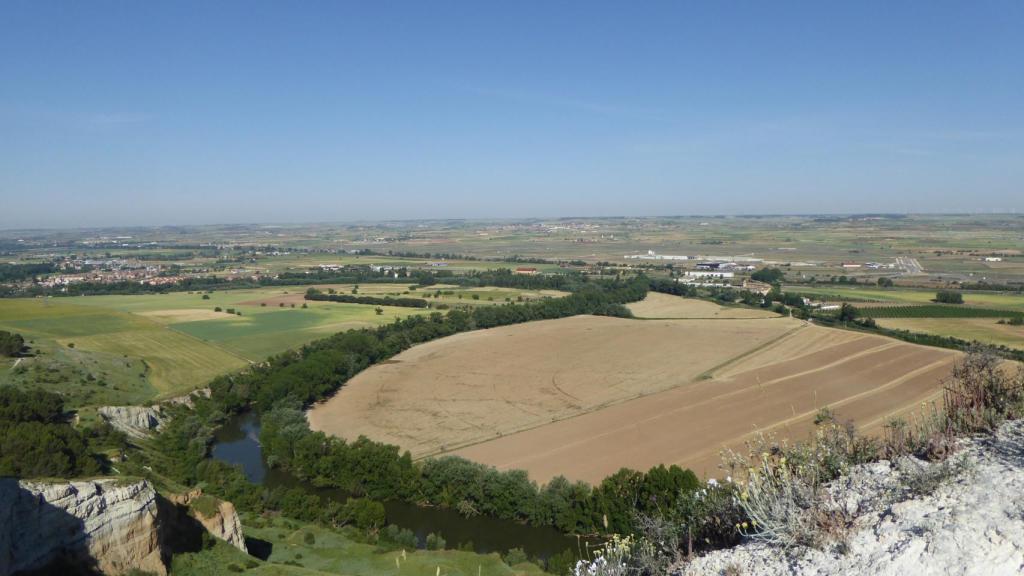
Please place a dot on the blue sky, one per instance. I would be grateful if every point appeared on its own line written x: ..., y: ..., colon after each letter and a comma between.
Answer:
x: 116, y: 113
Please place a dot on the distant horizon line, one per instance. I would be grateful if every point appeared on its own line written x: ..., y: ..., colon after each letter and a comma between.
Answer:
x: 507, y: 219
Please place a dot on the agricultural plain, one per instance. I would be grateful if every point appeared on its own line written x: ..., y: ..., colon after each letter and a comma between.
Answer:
x: 585, y: 396
x: 134, y: 348
x: 481, y: 385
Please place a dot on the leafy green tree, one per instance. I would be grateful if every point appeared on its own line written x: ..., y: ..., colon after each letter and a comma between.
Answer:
x: 11, y: 344
x: 949, y: 297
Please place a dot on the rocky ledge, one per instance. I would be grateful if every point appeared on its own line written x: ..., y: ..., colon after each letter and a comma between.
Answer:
x: 911, y: 518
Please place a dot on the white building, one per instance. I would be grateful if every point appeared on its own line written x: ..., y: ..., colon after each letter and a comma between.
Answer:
x: 708, y: 274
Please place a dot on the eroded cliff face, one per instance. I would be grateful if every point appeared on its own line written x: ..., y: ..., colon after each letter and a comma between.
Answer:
x: 135, y: 421
x: 108, y: 525
x: 218, y: 517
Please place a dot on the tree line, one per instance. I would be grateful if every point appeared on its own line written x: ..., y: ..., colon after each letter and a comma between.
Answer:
x: 280, y: 387
x: 314, y: 294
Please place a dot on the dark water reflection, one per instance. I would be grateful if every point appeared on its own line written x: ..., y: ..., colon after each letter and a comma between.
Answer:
x: 237, y: 442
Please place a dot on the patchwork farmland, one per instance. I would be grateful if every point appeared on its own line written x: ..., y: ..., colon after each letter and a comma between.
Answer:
x: 585, y: 396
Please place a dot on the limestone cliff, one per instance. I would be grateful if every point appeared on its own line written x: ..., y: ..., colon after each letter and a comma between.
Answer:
x: 218, y: 517
x: 135, y: 421
x: 107, y: 525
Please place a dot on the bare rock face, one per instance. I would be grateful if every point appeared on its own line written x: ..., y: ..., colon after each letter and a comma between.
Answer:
x: 107, y: 525
x: 970, y: 524
x: 218, y: 517
x: 135, y: 421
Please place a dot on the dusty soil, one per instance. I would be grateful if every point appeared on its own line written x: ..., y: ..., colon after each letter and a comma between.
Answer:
x: 585, y: 396
x: 184, y: 315
x: 657, y: 305
x: 481, y: 385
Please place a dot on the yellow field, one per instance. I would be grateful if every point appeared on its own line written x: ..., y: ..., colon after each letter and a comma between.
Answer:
x: 657, y: 305
x: 585, y: 396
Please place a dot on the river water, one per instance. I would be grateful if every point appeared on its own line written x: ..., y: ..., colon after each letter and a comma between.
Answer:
x: 237, y: 442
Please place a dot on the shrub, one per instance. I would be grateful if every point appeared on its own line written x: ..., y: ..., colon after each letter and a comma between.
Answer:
x: 10, y: 344
x: 435, y: 542
x: 400, y: 537
x: 309, y: 538
x: 784, y: 495
x: 981, y: 395
x: 514, y: 556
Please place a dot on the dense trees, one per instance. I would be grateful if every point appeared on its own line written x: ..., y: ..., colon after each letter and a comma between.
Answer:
x: 768, y: 275
x: 18, y: 272
x: 949, y: 297
x: 314, y: 294
x: 10, y: 344
x: 36, y: 440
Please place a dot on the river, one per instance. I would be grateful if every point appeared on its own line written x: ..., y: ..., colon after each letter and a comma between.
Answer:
x: 237, y: 442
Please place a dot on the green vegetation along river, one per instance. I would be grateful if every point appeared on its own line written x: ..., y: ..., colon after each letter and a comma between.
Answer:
x: 237, y: 443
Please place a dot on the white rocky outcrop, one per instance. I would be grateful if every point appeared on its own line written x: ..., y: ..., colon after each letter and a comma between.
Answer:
x: 972, y: 524
x: 108, y: 524
x: 135, y: 421
x: 222, y: 521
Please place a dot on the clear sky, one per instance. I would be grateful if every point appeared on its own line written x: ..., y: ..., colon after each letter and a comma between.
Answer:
x: 118, y: 113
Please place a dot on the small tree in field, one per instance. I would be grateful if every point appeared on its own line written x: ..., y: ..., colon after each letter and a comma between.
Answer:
x: 378, y: 310
x: 949, y: 297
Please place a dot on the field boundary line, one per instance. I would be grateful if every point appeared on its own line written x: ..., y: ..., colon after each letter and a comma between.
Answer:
x: 863, y: 426
x: 710, y: 372
x: 212, y: 345
x: 874, y: 349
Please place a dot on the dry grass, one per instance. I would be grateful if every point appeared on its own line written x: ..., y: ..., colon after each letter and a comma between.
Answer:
x: 657, y: 305
x: 480, y: 385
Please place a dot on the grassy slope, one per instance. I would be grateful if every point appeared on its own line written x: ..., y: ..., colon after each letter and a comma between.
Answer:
x: 113, y: 346
x: 334, y: 553
x: 152, y: 346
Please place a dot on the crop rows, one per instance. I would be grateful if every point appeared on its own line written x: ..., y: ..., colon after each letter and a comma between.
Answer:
x: 935, y: 311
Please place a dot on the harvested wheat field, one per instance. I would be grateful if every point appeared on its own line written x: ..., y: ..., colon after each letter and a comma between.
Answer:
x: 585, y: 396
x: 480, y: 385
x: 657, y: 305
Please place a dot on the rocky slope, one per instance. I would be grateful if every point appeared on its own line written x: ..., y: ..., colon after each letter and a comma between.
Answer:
x: 972, y: 523
x: 108, y: 525
x: 218, y: 517
x: 135, y: 421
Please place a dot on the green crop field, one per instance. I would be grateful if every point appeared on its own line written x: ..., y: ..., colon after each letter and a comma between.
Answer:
x: 935, y: 311
x: 985, y: 330
x: 332, y: 552
x: 135, y: 357
x: 853, y: 294
x: 130, y: 349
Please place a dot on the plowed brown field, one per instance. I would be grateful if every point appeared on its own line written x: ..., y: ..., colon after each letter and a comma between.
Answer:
x: 585, y: 396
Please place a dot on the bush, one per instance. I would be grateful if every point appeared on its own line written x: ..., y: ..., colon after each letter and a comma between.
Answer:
x: 435, y: 542
x: 515, y: 556
x: 399, y: 537
x: 784, y: 496
x: 309, y: 538
x: 981, y: 395
x: 10, y: 344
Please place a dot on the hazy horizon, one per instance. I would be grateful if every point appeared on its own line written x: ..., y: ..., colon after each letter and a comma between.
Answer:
x: 121, y: 115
